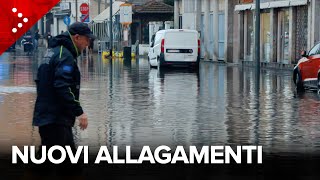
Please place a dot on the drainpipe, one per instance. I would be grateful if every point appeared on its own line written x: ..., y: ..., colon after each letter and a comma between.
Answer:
x: 176, y: 14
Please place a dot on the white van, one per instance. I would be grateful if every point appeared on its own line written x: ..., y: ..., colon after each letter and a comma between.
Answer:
x: 174, y: 47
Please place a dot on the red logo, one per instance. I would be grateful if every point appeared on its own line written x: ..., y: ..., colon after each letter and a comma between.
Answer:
x: 18, y: 16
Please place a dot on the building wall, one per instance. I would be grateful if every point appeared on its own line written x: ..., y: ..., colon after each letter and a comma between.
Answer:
x: 214, y: 19
x: 140, y: 2
x: 94, y: 10
x: 302, y: 31
x: 289, y: 34
x: 94, y: 4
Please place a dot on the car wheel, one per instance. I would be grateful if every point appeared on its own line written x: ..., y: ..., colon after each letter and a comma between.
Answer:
x: 298, y: 82
x: 158, y: 63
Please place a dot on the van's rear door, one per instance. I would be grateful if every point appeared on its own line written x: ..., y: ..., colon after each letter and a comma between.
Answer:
x: 181, y: 46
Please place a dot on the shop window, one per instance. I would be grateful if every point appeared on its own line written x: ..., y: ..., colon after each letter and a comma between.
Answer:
x: 250, y: 37
x: 266, y: 42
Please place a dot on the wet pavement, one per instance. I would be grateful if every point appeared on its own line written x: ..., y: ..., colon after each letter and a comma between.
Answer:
x: 130, y: 104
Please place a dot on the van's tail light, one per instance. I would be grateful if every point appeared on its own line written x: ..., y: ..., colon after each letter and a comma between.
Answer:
x: 162, y: 45
x: 199, y: 44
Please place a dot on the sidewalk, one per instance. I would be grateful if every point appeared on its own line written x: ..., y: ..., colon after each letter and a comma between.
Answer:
x: 264, y: 65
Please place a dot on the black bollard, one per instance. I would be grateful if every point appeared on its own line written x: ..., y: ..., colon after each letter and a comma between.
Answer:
x: 127, y: 53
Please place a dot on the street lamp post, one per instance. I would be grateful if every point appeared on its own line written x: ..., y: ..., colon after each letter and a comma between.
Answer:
x: 257, y: 35
x: 111, y: 35
x: 99, y: 6
x: 76, y: 11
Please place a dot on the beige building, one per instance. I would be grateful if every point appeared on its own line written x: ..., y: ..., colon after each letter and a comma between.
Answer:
x: 227, y: 28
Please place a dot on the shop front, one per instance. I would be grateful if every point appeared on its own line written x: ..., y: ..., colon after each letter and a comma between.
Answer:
x: 283, y: 31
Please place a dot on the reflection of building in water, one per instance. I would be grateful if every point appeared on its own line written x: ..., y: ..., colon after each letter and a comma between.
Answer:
x: 4, y: 68
x: 21, y: 71
x: 180, y: 92
x: 128, y: 110
x: 267, y: 117
x: 94, y: 93
x: 16, y: 121
x: 210, y: 127
x: 241, y: 106
x: 16, y: 107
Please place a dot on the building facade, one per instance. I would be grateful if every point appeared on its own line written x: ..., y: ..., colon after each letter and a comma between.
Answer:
x: 227, y: 28
x: 286, y: 30
x: 214, y: 21
x: 53, y: 21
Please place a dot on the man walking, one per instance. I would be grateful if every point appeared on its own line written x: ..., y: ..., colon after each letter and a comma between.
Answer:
x: 36, y: 39
x: 58, y: 86
x: 48, y: 38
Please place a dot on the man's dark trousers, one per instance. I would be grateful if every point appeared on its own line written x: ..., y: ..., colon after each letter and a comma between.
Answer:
x: 60, y: 135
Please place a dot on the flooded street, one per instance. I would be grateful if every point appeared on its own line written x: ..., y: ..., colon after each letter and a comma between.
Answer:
x: 130, y: 104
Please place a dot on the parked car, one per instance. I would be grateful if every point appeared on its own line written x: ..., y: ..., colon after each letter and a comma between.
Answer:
x: 174, y: 47
x: 306, y: 74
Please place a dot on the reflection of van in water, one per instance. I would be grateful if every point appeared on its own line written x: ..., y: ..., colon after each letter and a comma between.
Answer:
x: 174, y: 47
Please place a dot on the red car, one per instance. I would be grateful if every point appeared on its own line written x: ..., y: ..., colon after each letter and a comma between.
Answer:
x: 306, y: 73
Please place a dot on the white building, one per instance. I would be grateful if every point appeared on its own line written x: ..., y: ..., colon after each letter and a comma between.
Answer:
x: 214, y: 20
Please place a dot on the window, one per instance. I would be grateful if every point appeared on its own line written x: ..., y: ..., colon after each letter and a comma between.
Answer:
x: 157, y: 38
x: 180, y: 22
x: 314, y: 50
x: 152, y: 40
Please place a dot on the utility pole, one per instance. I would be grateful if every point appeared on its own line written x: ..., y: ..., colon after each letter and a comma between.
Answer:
x: 257, y: 47
x: 111, y: 35
x: 76, y: 10
x: 105, y: 4
x: 99, y: 5
x: 257, y: 35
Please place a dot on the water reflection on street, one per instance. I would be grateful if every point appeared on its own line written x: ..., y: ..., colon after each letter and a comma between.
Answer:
x: 130, y: 104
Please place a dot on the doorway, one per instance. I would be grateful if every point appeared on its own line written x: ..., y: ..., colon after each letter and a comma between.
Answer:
x: 265, y: 39
x: 283, y: 36
x: 221, y: 37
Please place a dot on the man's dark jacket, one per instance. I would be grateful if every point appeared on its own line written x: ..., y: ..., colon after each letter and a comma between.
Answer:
x: 58, y: 84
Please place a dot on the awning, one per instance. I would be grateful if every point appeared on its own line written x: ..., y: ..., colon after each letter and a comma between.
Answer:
x: 273, y: 4
x: 242, y: 7
x: 298, y: 2
x: 262, y: 6
x: 105, y: 15
x: 278, y: 4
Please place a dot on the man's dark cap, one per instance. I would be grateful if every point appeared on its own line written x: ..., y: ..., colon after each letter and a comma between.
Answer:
x: 81, y: 29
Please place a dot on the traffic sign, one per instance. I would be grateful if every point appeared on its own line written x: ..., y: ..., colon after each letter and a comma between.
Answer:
x: 85, y: 18
x: 126, y: 14
x: 66, y: 20
x: 84, y: 8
